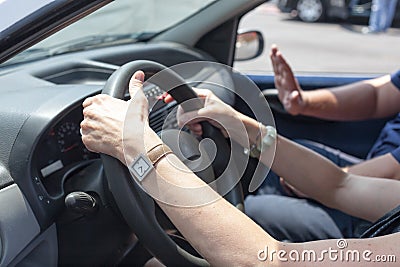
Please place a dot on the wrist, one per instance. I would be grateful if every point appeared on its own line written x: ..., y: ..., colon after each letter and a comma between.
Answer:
x: 150, y: 138
x: 305, y: 102
x: 133, y: 147
x: 252, y: 127
x: 120, y: 155
x: 266, y: 138
x: 144, y: 164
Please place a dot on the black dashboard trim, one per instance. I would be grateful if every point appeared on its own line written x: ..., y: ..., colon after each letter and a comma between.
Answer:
x: 32, y: 130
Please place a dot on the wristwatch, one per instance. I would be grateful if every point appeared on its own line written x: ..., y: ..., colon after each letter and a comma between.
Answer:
x: 264, y: 140
x: 142, y: 165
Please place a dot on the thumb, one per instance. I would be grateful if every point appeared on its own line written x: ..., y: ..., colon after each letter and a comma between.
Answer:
x: 191, y: 117
x: 296, y: 98
x: 136, y: 83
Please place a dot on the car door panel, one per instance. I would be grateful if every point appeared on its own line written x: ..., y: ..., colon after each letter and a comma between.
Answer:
x: 41, y: 251
x: 18, y: 225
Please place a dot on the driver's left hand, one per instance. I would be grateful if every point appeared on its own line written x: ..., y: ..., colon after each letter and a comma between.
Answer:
x: 113, y: 126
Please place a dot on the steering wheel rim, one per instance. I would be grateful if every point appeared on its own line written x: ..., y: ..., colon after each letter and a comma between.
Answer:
x: 135, y: 205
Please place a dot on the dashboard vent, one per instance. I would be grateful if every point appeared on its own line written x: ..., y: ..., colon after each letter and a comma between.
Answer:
x: 164, y: 117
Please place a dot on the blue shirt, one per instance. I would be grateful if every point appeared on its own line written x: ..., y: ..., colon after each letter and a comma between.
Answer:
x: 389, y: 139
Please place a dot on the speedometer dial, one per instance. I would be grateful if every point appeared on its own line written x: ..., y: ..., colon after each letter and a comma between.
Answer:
x: 62, y: 146
x: 68, y: 136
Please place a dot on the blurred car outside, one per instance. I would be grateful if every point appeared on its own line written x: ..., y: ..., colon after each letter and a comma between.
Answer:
x: 329, y: 10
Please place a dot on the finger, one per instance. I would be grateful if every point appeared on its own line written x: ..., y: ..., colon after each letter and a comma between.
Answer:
x: 295, y: 97
x: 274, y: 49
x: 274, y: 62
x: 281, y: 59
x: 168, y: 98
x: 273, y: 56
x: 196, y: 127
x: 179, y: 112
x: 84, y: 127
x: 189, y: 118
x: 163, y: 96
x: 136, y: 83
x: 197, y: 133
x: 193, y: 123
x: 202, y: 93
x: 89, y: 112
x: 88, y: 101
x: 144, y: 110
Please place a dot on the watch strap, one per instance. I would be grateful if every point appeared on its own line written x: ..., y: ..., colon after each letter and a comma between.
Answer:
x: 156, y: 153
x: 143, y: 164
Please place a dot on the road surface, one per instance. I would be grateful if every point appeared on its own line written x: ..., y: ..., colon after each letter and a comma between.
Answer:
x: 321, y: 47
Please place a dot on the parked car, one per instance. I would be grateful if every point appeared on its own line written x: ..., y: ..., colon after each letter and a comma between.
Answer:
x: 315, y: 10
x: 324, y: 10
x: 61, y: 204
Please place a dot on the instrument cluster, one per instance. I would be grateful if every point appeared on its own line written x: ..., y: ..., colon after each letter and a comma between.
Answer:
x: 62, y: 145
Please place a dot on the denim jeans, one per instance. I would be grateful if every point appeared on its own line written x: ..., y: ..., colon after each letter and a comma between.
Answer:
x: 382, y: 14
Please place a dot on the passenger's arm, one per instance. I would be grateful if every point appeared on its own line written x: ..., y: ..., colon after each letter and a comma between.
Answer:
x: 362, y: 100
x: 364, y: 197
x: 385, y: 166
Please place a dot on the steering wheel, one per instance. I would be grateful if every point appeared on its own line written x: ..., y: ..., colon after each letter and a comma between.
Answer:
x: 138, y: 208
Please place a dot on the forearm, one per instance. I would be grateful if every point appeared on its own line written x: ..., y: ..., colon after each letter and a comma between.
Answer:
x: 212, y: 228
x: 375, y: 98
x: 385, y: 166
x: 341, y: 103
x: 310, y: 173
x: 205, y: 219
x: 307, y: 171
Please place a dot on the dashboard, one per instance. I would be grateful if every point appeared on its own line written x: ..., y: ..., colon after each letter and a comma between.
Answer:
x: 41, y: 135
x: 60, y: 152
x: 62, y: 145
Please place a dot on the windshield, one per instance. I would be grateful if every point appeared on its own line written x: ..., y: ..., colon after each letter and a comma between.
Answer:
x: 122, y: 21
x: 10, y: 15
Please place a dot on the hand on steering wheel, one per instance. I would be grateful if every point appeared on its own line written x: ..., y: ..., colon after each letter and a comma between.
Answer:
x: 103, y: 124
x: 215, y: 111
x: 104, y: 131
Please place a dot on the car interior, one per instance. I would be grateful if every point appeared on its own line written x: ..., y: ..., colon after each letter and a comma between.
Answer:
x: 62, y: 204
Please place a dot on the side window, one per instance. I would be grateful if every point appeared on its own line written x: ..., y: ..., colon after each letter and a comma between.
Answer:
x: 335, y: 43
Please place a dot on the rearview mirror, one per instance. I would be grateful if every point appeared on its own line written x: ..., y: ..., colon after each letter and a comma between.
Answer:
x: 249, y: 45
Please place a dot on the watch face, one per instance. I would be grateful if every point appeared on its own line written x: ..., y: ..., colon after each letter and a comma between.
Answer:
x: 140, y: 167
x: 269, y: 138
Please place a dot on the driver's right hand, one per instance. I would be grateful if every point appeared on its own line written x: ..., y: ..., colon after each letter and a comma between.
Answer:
x: 215, y: 111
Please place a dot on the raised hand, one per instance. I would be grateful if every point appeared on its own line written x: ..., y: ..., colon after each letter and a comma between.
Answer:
x: 290, y: 93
